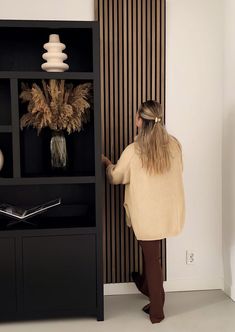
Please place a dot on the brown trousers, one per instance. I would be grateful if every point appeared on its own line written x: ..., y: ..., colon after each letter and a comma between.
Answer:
x: 152, y: 279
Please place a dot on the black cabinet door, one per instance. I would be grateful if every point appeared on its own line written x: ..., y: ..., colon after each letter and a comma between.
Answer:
x: 59, y: 274
x: 7, y: 277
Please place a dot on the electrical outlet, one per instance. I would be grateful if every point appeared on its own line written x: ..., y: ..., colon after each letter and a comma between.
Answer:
x: 190, y: 257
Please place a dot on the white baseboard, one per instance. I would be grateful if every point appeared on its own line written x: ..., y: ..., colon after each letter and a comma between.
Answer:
x: 175, y: 285
x: 180, y: 285
x: 120, y: 288
x: 230, y: 291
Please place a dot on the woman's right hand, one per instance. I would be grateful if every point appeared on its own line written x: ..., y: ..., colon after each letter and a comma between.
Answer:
x: 106, y: 161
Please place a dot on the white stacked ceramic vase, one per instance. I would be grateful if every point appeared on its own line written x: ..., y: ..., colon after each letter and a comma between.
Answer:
x: 54, y: 55
x: 1, y: 160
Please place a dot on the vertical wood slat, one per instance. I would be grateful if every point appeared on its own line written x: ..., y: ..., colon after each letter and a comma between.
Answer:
x: 129, y: 108
x: 125, y: 120
x: 111, y: 137
x: 106, y: 146
x: 158, y: 50
x: 116, y: 140
x: 139, y: 43
x: 163, y: 84
x: 153, y: 43
x: 148, y: 49
x: 99, y: 11
x: 143, y: 50
x: 134, y: 101
x: 132, y: 50
x: 163, y: 33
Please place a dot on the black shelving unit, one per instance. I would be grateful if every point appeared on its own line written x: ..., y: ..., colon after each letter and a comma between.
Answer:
x: 52, y: 267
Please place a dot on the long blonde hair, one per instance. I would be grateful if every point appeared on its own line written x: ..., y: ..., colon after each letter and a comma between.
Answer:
x: 153, y: 139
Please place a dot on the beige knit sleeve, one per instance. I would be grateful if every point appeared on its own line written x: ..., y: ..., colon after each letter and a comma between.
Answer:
x: 179, y: 148
x: 120, y: 173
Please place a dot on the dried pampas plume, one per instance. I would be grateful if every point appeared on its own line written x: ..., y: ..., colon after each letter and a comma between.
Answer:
x: 56, y: 105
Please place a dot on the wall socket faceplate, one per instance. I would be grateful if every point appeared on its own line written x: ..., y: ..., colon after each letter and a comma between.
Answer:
x: 190, y: 257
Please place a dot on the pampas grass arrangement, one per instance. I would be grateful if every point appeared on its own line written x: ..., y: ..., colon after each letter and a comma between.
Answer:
x: 56, y: 105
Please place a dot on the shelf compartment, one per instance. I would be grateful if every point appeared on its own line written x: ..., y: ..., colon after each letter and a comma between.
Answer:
x: 6, y: 147
x: 77, y: 207
x: 5, y: 103
x: 35, y: 154
x: 35, y: 149
x: 22, y: 48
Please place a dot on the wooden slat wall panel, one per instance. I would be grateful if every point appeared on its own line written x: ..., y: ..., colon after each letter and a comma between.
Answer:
x: 132, y: 55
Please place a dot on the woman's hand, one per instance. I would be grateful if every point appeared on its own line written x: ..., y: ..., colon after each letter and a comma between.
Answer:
x: 106, y: 161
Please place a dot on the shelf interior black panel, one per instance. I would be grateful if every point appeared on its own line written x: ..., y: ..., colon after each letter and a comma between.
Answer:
x: 77, y: 207
x: 35, y: 149
x: 22, y: 48
x: 5, y: 102
x: 6, y: 148
x: 36, y: 159
x: 46, y: 223
x: 59, y: 273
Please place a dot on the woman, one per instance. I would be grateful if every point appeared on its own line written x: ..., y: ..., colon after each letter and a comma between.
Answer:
x: 151, y: 169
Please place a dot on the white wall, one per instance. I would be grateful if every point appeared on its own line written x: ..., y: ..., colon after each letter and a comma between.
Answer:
x: 82, y: 10
x: 193, y: 114
x: 229, y: 150
x: 194, y: 97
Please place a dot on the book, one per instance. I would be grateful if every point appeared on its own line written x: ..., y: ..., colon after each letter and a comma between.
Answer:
x: 21, y: 213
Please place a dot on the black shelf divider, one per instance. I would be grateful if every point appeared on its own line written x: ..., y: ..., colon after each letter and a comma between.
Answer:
x: 47, y: 231
x: 15, y: 126
x: 47, y: 75
x: 98, y: 171
x: 48, y: 180
x: 5, y: 129
x: 48, y: 24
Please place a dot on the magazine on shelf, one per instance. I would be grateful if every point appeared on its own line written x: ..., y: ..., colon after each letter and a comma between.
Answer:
x: 21, y: 214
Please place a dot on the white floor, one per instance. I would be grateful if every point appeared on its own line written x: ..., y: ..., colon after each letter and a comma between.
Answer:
x: 199, y: 311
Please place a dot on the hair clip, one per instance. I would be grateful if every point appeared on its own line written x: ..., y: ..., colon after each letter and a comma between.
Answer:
x: 157, y: 119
